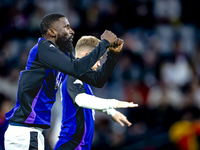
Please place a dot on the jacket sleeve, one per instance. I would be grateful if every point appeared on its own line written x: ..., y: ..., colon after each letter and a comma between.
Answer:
x: 98, y: 78
x: 53, y: 58
x: 92, y: 102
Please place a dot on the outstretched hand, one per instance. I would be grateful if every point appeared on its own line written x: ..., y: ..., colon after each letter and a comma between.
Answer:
x: 126, y: 104
x: 119, y: 117
x: 117, y: 45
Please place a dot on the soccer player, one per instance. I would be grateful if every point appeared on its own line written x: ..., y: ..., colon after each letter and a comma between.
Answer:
x: 48, y: 62
x: 78, y: 103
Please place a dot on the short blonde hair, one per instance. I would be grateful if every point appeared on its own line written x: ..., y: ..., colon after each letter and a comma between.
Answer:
x: 86, y: 41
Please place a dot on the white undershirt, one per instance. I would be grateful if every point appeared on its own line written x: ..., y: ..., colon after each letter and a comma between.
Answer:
x: 92, y: 102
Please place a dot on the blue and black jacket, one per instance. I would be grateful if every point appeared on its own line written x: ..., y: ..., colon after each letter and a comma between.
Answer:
x: 77, y: 123
x: 46, y: 69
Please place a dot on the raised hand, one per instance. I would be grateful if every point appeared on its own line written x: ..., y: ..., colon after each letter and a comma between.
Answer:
x: 117, y: 45
x: 109, y: 36
x: 119, y: 117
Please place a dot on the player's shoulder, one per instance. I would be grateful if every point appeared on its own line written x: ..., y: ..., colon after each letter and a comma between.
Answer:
x: 46, y: 44
x: 74, y: 81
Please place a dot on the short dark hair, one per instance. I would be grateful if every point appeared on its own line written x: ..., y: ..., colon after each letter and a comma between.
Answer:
x: 48, y: 20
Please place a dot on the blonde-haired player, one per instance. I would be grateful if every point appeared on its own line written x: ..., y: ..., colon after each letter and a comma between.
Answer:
x: 79, y: 102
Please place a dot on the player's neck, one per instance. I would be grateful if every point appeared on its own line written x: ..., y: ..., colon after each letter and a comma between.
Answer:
x: 52, y: 40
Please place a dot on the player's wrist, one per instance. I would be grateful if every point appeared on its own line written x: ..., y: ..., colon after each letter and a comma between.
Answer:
x: 106, y: 41
x: 110, y: 112
x: 113, y: 53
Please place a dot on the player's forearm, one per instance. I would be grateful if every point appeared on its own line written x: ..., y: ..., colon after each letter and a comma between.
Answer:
x: 107, y: 68
x: 53, y: 58
x: 85, y: 63
x: 98, y: 78
x: 93, y: 102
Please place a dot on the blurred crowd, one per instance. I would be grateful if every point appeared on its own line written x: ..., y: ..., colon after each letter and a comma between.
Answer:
x: 159, y: 68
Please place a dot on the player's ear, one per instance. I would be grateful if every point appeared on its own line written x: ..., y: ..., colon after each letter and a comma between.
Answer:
x: 51, y: 32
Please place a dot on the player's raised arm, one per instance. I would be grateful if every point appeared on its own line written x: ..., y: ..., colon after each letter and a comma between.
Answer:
x: 99, y: 77
x: 56, y: 59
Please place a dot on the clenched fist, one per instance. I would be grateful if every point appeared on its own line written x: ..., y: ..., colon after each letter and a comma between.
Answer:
x: 117, y: 45
x: 109, y: 36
